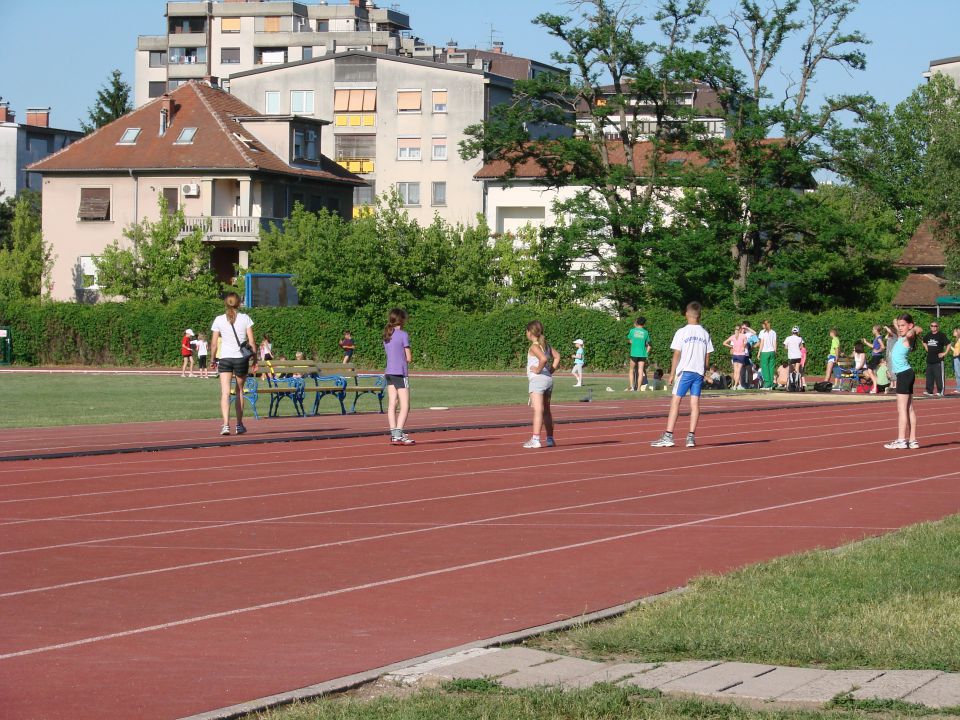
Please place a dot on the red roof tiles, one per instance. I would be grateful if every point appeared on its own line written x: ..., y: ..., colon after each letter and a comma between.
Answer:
x: 924, y: 250
x: 920, y: 290
x: 216, y: 146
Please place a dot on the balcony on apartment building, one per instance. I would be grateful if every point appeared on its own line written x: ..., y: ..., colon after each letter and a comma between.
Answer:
x: 229, y: 228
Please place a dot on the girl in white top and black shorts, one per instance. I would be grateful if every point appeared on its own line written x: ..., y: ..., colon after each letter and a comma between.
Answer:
x: 542, y: 362
x: 238, y: 357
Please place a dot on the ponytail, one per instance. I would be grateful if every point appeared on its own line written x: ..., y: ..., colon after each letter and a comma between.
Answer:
x: 232, y: 302
x: 396, y: 320
x: 535, y: 328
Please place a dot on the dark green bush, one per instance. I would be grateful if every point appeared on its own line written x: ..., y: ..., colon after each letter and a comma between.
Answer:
x: 140, y: 334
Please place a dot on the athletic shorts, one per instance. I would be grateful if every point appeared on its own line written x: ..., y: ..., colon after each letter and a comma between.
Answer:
x: 398, y: 381
x: 202, y: 361
x: 237, y: 366
x: 905, y: 382
x: 541, y: 385
x: 874, y: 362
x: 740, y: 359
x: 348, y: 354
x: 638, y: 358
x: 689, y: 382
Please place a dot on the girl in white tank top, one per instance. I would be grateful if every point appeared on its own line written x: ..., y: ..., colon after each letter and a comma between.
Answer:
x: 542, y: 361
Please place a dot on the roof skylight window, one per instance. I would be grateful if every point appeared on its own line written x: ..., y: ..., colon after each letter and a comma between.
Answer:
x: 129, y: 136
x: 186, y: 136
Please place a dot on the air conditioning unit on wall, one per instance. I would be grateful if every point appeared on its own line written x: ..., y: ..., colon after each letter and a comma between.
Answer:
x: 190, y: 189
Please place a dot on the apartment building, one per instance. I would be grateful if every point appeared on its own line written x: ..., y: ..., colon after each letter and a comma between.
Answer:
x: 230, y: 169
x: 947, y: 66
x: 24, y: 143
x: 220, y: 37
x: 396, y: 121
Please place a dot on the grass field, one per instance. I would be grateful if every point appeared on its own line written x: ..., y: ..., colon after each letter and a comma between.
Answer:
x: 890, y: 602
x: 35, y: 400
x: 473, y: 701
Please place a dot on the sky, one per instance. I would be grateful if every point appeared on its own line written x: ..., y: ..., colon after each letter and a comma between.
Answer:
x: 63, y: 58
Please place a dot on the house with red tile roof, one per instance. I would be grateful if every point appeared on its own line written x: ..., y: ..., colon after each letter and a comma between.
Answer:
x: 926, y: 258
x: 229, y: 168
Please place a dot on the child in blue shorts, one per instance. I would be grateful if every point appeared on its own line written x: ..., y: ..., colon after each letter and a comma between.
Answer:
x: 691, y: 347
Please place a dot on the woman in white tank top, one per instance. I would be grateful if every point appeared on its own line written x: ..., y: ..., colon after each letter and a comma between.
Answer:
x: 542, y: 361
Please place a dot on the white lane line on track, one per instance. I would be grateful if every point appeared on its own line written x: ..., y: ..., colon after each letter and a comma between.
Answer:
x: 315, y: 473
x: 287, y: 465
x: 468, y: 523
x: 458, y: 568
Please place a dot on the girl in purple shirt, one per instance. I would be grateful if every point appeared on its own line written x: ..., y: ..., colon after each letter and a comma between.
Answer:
x: 396, y: 344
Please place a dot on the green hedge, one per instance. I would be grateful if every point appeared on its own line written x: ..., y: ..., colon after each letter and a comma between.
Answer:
x: 141, y: 334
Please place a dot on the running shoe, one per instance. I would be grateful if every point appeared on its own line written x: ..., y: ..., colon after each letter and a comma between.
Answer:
x: 913, y: 445
x: 532, y: 444
x: 225, y: 430
x: 551, y: 442
x: 926, y: 394
x: 664, y: 441
x: 241, y: 429
x: 403, y: 440
x: 897, y: 445
x: 691, y: 440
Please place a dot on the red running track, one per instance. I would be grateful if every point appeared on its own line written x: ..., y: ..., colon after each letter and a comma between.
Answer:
x: 163, y: 585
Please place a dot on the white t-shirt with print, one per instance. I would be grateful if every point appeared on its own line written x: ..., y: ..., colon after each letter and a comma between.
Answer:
x: 792, y: 344
x: 230, y: 349
x: 694, y: 344
x: 768, y: 341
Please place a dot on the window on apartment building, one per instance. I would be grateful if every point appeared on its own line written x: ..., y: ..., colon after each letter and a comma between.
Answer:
x: 301, y: 101
x: 230, y: 25
x: 94, y: 204
x: 305, y: 144
x: 323, y: 26
x: 439, y: 101
x: 408, y: 148
x: 269, y: 56
x: 409, y: 193
x: 158, y: 58
x: 87, y: 273
x: 156, y: 88
x: 438, y: 194
x: 174, y: 84
x: 356, y: 153
x: 230, y: 56
x: 186, y: 136
x: 409, y: 101
x: 439, y: 148
x: 271, y: 102
x: 366, y: 194
x: 307, y: 52
x: 299, y: 144
x: 187, y: 56
x: 355, y: 68
x: 271, y: 24
x: 313, y: 152
x: 180, y: 25
x: 129, y: 136
x: 172, y: 196
x: 354, y: 100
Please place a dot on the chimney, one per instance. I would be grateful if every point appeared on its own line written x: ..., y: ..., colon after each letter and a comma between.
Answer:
x: 40, y: 117
x: 6, y: 114
x: 359, y: 3
x: 168, y: 109
x: 451, y: 45
x: 497, y: 47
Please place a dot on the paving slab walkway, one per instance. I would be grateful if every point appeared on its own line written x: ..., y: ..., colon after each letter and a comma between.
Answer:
x: 519, y: 667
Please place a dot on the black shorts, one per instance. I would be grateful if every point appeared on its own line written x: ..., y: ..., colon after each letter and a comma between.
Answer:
x: 905, y: 381
x: 237, y: 366
x: 348, y: 354
x: 638, y: 359
x: 397, y: 381
x: 874, y: 362
x: 202, y: 362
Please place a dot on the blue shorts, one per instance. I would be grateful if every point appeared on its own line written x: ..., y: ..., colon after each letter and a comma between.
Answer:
x: 689, y: 382
x: 831, y: 358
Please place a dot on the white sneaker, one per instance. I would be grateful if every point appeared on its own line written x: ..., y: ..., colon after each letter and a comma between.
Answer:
x: 691, y: 440
x: 551, y: 442
x: 532, y: 444
x: 913, y: 445
x: 225, y: 430
x: 897, y: 445
x: 664, y: 441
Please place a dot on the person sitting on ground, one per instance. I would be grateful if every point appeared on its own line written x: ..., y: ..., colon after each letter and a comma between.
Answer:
x: 713, y: 380
x: 657, y: 382
x: 783, y: 377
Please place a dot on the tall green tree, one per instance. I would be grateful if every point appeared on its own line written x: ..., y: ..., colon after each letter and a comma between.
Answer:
x: 158, y: 262
x: 26, y: 261
x: 113, y: 102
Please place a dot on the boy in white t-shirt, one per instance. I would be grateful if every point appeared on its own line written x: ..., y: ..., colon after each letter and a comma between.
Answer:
x: 691, y: 347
